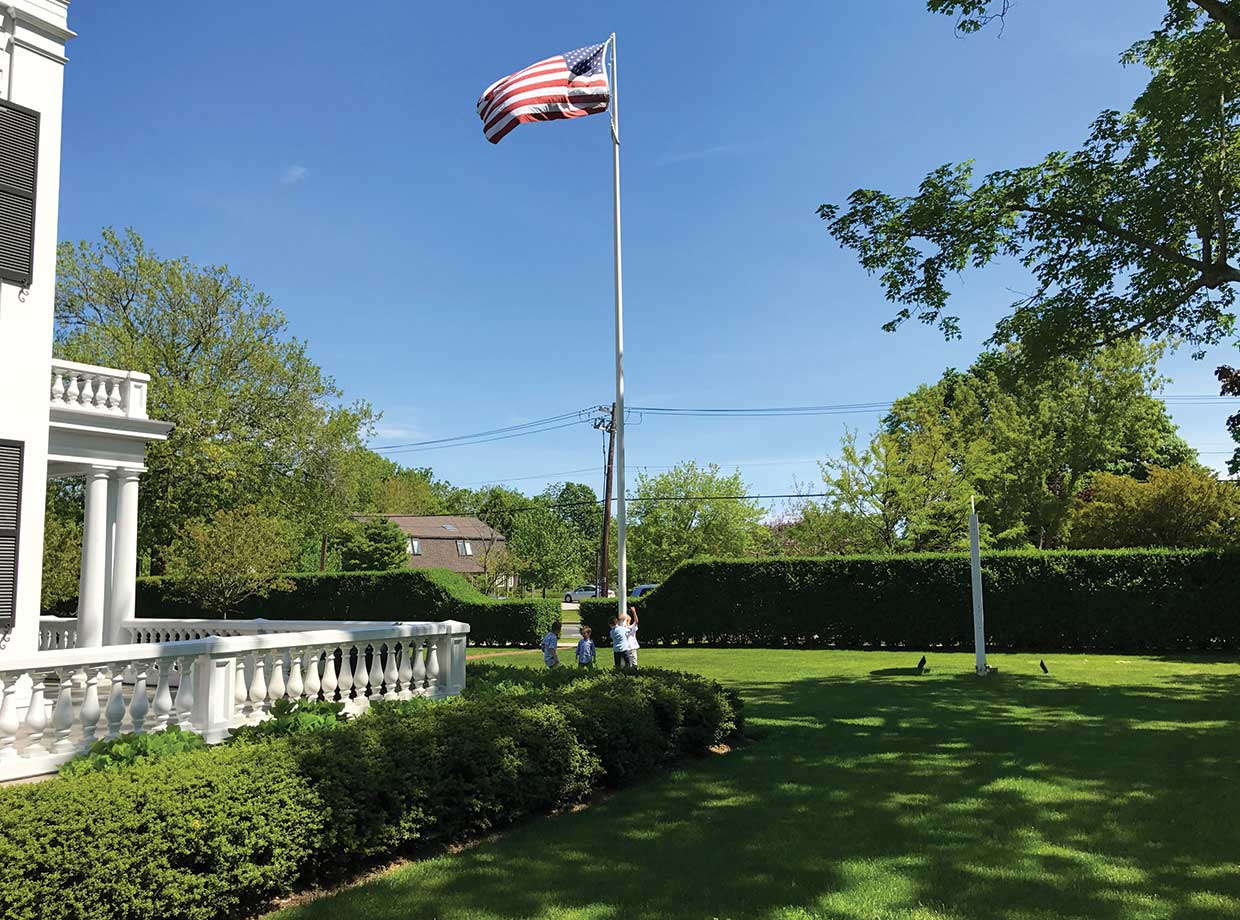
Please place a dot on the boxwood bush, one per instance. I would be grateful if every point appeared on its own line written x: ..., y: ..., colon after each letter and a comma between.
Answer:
x: 1120, y: 600
x: 401, y: 594
x: 218, y: 832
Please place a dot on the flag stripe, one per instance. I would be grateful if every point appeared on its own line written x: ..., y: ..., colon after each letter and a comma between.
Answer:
x: 565, y: 86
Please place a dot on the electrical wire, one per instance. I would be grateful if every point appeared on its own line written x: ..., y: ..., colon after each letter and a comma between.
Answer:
x: 579, y: 416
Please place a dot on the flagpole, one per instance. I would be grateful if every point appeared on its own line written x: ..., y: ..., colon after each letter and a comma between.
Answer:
x: 622, y: 585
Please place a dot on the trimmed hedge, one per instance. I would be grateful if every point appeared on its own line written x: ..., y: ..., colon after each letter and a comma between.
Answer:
x: 402, y: 594
x: 217, y: 833
x: 1117, y: 600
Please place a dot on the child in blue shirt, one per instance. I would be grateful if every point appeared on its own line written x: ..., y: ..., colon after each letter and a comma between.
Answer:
x: 585, y: 649
x: 550, y: 644
x: 625, y: 656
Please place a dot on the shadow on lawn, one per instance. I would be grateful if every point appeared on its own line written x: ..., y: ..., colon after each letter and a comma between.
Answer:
x: 1007, y: 797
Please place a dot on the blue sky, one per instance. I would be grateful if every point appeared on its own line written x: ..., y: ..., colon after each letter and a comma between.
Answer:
x: 332, y: 155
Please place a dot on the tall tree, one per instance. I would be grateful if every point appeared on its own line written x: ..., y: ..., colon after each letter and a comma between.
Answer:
x: 543, y: 549
x: 1180, y: 507
x: 257, y: 421
x: 685, y: 512
x: 1133, y: 234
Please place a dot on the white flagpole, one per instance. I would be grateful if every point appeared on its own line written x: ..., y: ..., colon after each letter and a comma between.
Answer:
x: 975, y: 560
x: 622, y: 588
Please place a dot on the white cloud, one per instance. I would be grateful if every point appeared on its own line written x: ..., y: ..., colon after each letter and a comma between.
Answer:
x: 294, y: 174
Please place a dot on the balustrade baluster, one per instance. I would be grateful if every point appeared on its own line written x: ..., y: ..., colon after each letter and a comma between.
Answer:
x: 345, y: 678
x: 89, y: 715
x: 73, y: 392
x: 114, y: 397
x: 419, y: 667
x: 36, y: 717
x: 389, y: 673
x: 9, y: 723
x: 101, y: 393
x: 185, y: 693
x: 139, y: 705
x: 313, y: 684
x: 241, y: 689
x: 375, y: 677
x: 86, y: 392
x: 58, y: 386
x: 116, y: 700
x: 296, y: 686
x: 432, y: 665
x: 405, y: 672
x: 163, y: 695
x: 258, y: 687
x: 62, y: 712
x: 330, y: 682
x: 277, y: 687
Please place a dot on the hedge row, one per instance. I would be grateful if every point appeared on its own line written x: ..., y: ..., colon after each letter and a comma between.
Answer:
x: 217, y: 833
x: 1120, y: 600
x: 404, y: 594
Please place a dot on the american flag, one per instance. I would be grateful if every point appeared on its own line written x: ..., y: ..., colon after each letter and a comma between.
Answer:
x: 565, y: 86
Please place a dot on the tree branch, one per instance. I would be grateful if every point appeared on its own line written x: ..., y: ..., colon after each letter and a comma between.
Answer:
x: 1223, y: 13
x: 1115, y: 230
x: 1161, y: 314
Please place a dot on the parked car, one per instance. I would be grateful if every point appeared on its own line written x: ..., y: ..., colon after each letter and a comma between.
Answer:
x: 574, y: 596
x: 641, y: 590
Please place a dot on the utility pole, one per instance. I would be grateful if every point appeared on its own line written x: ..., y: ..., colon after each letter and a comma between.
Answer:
x: 609, y: 425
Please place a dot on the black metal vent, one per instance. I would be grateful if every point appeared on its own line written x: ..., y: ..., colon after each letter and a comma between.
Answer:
x: 10, y: 525
x: 19, y: 167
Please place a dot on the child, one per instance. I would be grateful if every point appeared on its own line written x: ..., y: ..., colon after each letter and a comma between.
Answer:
x: 550, y: 645
x: 585, y: 649
x: 619, y: 641
x: 630, y: 635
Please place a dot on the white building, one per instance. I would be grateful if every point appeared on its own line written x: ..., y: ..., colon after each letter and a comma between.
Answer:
x: 64, y: 683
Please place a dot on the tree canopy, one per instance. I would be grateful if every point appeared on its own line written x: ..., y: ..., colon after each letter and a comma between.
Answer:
x: 1133, y: 234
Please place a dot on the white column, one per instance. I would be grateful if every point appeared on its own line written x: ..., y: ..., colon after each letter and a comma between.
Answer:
x: 94, y: 561
x: 125, y: 556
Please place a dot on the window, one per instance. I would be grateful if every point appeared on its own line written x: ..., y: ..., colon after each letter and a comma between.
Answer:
x: 19, y: 159
x: 413, y: 547
x: 448, y: 526
x: 10, y: 524
x: 463, y: 548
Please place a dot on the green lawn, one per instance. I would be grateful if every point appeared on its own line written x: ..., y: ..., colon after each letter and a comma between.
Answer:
x: 1106, y: 789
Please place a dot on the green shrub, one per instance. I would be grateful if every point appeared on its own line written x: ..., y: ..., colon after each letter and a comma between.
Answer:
x: 203, y: 835
x: 217, y: 832
x: 407, y: 594
x: 293, y: 717
x: 1120, y: 600
x: 126, y: 750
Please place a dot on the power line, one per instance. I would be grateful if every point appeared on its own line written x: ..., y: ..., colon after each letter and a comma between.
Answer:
x: 534, y: 427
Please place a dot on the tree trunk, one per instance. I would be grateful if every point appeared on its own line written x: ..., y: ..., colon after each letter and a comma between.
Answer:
x: 323, y: 554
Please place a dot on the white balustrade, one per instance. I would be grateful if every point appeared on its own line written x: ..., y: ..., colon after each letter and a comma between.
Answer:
x: 55, y: 704
x: 57, y: 633
x: 89, y: 388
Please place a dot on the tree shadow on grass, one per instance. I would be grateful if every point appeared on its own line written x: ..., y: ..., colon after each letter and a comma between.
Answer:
x: 1011, y: 797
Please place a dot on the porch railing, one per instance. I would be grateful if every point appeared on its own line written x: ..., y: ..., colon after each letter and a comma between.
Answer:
x: 90, y: 388
x: 55, y: 704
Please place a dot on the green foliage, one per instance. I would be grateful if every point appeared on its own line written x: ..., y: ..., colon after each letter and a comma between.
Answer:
x: 215, y: 833
x: 236, y: 557
x: 202, y: 835
x: 293, y: 717
x: 1122, y: 600
x: 373, y: 545
x: 407, y: 594
x: 1133, y: 234
x: 545, y: 550
x: 1181, y: 507
x: 62, y: 563
x: 256, y: 420
x: 664, y: 533
x: 124, y: 751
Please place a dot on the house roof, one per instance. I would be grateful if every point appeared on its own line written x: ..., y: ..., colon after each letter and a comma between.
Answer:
x: 444, y: 527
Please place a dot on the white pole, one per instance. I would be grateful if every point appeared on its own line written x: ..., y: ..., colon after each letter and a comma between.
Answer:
x: 622, y: 586
x: 979, y: 619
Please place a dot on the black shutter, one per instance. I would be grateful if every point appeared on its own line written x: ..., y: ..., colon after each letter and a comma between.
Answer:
x: 19, y: 166
x: 10, y: 525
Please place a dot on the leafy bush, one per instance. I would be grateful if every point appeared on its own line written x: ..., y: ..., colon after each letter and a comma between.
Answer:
x: 293, y: 717
x: 126, y: 750
x: 1123, y: 600
x: 374, y: 545
x: 215, y: 833
x: 408, y: 594
x: 203, y: 835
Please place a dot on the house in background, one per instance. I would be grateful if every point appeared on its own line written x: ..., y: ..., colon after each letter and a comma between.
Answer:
x: 446, y: 541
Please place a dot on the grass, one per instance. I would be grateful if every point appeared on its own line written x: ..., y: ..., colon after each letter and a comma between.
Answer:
x: 1106, y: 789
